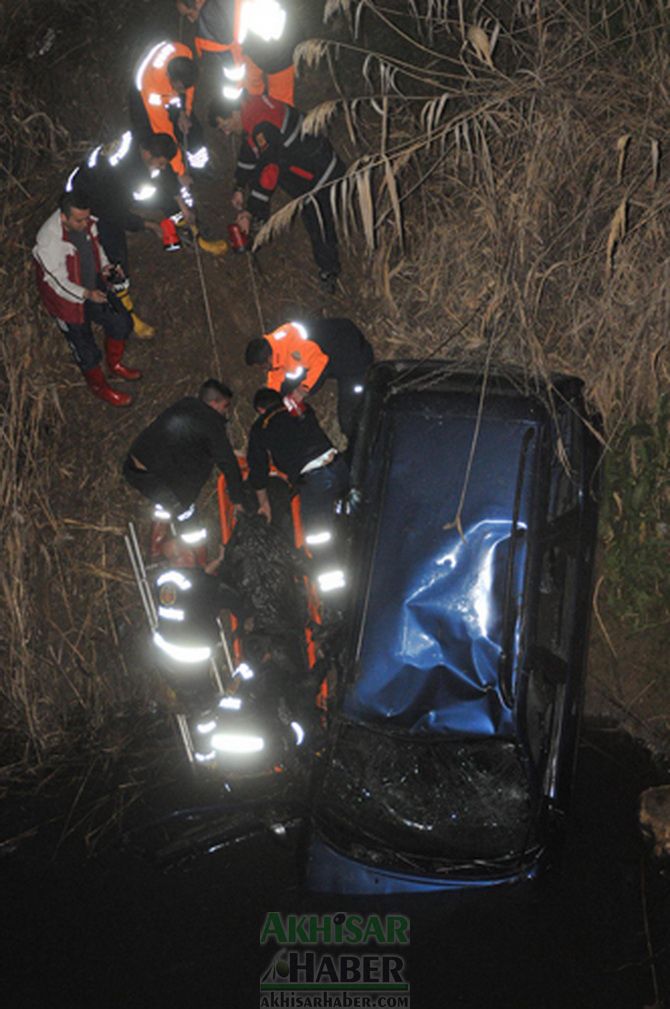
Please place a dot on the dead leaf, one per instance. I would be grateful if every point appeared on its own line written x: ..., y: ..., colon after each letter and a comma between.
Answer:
x: 616, y: 235
x: 655, y: 158
x: 622, y: 147
x: 481, y: 44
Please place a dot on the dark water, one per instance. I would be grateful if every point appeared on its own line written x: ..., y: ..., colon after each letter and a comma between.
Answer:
x: 121, y: 930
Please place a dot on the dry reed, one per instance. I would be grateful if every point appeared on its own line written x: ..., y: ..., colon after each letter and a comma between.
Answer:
x: 513, y: 161
x: 60, y: 683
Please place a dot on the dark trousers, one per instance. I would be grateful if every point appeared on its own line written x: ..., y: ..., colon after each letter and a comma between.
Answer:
x: 319, y: 490
x: 117, y: 325
x: 113, y: 235
x: 317, y: 215
x: 153, y: 487
x: 349, y: 402
x: 113, y: 240
x: 350, y: 390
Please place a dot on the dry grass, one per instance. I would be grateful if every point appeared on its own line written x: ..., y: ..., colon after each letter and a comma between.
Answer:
x: 512, y: 163
x: 506, y: 174
x: 58, y: 573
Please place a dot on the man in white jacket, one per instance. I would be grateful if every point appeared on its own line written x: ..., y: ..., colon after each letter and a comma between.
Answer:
x: 72, y: 270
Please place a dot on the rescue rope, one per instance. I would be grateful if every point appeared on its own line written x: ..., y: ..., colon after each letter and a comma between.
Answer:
x: 402, y: 379
x: 205, y: 299
x: 250, y: 257
x: 195, y: 231
x: 254, y: 288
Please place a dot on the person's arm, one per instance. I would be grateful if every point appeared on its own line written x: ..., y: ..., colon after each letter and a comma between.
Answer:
x: 222, y: 454
x: 104, y: 258
x: 262, y: 190
x: 190, y: 10
x: 187, y: 211
x: 246, y: 166
x: 153, y: 226
x: 257, y: 460
x: 264, y: 508
x: 227, y: 462
x: 134, y: 222
x: 160, y: 122
x: 315, y: 361
x: 212, y: 567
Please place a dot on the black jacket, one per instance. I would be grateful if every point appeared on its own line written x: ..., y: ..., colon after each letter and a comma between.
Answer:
x: 115, y: 179
x: 273, y: 153
x: 289, y: 442
x: 349, y: 353
x: 181, y: 446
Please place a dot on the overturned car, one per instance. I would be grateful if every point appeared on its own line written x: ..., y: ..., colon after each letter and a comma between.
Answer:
x: 471, y: 557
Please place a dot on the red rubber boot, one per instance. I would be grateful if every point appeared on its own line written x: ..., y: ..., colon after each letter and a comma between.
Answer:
x: 97, y: 383
x: 114, y: 351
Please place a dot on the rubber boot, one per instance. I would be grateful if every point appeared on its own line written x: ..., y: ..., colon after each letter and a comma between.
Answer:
x: 143, y: 331
x: 97, y: 383
x: 114, y: 351
x: 215, y: 247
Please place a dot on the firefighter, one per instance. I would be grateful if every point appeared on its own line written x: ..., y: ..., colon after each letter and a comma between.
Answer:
x: 274, y: 153
x: 300, y: 449
x: 72, y: 272
x: 161, y: 101
x: 299, y: 358
x: 121, y: 183
x: 171, y: 460
x: 254, y: 40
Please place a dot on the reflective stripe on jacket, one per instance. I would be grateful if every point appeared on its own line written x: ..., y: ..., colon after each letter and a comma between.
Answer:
x: 158, y: 95
x: 273, y: 153
x: 294, y: 357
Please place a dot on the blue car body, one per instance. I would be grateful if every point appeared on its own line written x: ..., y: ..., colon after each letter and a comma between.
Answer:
x: 452, y: 749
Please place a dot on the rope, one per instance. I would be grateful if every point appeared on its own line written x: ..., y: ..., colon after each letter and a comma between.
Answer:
x: 205, y: 299
x: 203, y: 286
x: 401, y: 380
x: 232, y: 147
x: 254, y: 288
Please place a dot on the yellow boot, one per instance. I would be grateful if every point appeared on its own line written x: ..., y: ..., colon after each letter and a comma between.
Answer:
x: 142, y: 330
x: 216, y: 247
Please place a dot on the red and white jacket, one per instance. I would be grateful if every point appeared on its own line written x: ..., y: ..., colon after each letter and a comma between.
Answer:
x: 58, y: 269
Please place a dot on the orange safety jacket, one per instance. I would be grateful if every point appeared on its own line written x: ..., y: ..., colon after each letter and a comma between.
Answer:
x: 294, y: 357
x: 219, y: 31
x: 158, y: 95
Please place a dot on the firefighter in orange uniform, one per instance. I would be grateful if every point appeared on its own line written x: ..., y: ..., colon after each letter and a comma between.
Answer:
x: 255, y: 39
x: 289, y: 356
x: 299, y: 358
x: 161, y: 101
